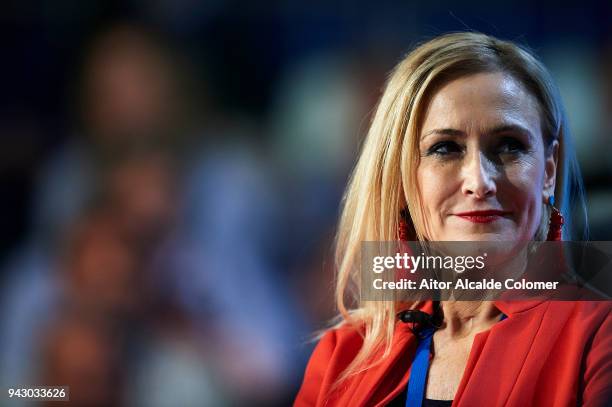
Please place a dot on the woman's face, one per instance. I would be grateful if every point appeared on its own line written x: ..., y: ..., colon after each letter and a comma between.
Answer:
x: 483, y: 172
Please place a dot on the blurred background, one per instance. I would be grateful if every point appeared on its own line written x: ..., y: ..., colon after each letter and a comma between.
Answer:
x: 171, y: 172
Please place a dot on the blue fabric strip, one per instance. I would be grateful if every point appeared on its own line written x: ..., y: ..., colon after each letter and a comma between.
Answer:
x: 420, y: 368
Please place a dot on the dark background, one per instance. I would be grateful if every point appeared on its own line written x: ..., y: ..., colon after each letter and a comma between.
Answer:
x: 170, y: 174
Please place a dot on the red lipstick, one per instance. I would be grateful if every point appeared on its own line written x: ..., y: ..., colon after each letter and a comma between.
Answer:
x: 482, y: 216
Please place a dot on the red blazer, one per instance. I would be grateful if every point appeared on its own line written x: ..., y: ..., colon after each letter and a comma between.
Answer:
x: 546, y: 353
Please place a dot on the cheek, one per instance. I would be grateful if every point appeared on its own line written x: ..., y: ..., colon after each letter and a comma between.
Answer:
x: 525, y: 183
x: 434, y: 192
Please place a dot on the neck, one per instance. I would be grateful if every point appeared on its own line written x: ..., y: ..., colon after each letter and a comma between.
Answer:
x: 463, y: 318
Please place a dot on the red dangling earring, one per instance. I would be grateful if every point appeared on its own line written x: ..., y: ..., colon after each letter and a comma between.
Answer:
x: 403, y: 226
x: 556, y: 222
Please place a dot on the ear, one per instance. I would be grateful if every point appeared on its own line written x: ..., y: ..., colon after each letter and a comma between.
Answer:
x: 550, y: 170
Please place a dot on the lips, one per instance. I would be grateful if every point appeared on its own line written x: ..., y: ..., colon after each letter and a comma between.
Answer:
x: 486, y: 216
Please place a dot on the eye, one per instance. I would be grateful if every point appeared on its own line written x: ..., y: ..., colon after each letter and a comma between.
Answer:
x: 510, y: 145
x: 444, y: 148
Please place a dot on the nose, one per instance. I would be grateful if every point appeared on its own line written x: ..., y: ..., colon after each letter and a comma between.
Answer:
x: 479, y: 177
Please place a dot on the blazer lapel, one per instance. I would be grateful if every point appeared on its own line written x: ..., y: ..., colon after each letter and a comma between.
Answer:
x: 385, y: 381
x: 498, y: 356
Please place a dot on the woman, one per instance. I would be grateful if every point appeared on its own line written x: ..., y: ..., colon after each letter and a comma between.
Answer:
x: 469, y: 142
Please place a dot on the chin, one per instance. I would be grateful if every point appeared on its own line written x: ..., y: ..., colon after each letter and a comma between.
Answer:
x: 483, y: 237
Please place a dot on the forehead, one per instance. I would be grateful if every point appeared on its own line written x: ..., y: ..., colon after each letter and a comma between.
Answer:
x: 477, y: 102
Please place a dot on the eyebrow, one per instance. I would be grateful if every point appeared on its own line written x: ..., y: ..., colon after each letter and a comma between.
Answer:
x: 502, y: 128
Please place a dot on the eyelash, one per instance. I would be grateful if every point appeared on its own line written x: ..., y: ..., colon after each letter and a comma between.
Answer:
x: 516, y: 146
x: 435, y: 149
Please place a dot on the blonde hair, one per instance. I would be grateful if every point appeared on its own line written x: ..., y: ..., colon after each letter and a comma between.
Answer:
x: 383, y: 181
